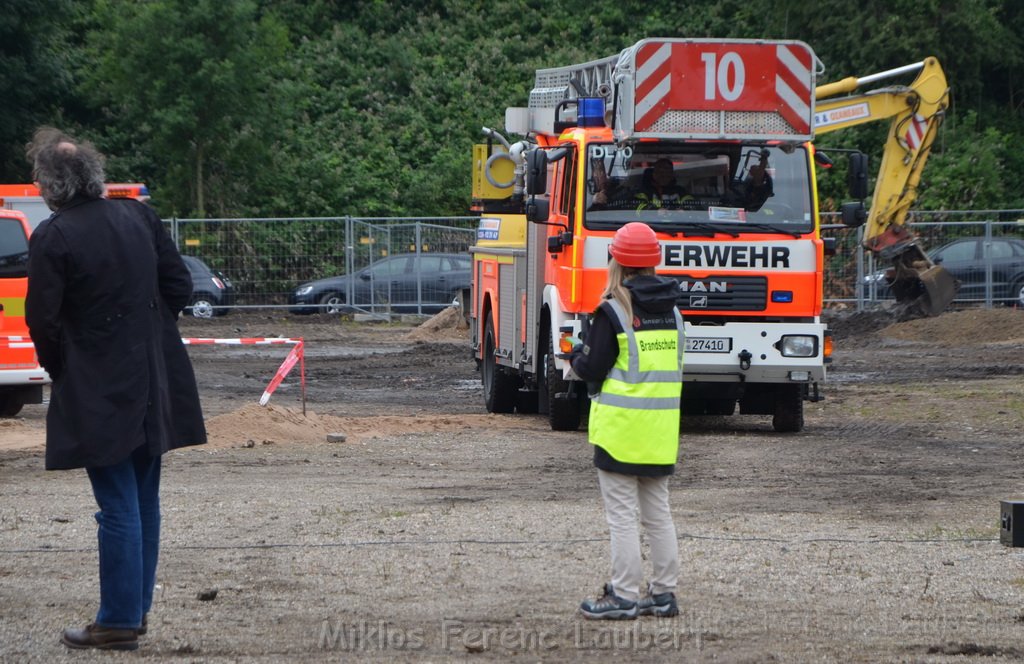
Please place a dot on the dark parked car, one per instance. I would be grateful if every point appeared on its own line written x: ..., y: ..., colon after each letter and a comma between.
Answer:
x: 212, y: 293
x: 966, y: 260
x: 403, y: 282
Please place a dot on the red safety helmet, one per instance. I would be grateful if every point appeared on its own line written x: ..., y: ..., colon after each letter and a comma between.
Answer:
x: 636, y: 245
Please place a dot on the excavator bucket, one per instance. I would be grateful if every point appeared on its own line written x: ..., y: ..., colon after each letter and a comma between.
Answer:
x: 925, y: 293
x: 939, y: 288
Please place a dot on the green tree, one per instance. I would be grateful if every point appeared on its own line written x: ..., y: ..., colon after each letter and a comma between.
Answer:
x: 34, y: 75
x: 191, y: 84
x: 370, y: 107
x: 968, y: 170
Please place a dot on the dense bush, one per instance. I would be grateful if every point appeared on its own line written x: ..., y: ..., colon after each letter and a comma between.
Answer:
x: 370, y: 107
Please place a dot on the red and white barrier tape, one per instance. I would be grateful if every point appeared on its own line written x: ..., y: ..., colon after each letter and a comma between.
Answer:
x: 297, y: 355
x: 251, y: 341
x: 286, y: 367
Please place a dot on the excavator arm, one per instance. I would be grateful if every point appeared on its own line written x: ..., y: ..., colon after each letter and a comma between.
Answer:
x: 915, y: 113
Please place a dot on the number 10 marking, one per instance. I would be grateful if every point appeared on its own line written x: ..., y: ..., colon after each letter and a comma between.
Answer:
x: 716, y: 76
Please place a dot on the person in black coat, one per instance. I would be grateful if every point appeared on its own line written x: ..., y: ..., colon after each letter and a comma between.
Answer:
x: 106, y: 286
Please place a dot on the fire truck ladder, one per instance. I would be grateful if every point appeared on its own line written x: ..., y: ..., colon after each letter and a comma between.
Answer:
x: 555, y: 85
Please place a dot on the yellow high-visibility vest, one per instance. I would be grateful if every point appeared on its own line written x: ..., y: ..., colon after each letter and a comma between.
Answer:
x: 635, y: 418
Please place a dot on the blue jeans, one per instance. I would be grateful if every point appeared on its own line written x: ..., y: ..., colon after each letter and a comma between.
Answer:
x: 128, y: 495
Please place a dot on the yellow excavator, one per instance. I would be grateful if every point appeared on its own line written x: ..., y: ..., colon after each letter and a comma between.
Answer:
x: 916, y: 112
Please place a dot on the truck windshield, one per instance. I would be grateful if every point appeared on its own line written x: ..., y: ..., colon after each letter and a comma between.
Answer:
x: 13, y: 249
x: 699, y: 188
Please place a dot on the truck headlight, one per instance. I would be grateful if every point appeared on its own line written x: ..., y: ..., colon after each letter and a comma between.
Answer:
x: 798, y: 345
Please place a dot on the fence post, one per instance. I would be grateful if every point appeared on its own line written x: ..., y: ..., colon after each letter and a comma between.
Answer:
x: 986, y: 250
x: 419, y: 269
x: 859, y: 285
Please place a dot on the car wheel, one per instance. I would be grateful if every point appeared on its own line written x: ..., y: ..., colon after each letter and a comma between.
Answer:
x: 460, y: 299
x: 201, y: 306
x: 332, y: 303
x: 10, y: 404
x: 1017, y: 295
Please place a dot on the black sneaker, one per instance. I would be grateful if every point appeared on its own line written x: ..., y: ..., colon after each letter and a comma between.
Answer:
x: 662, y: 605
x: 609, y: 607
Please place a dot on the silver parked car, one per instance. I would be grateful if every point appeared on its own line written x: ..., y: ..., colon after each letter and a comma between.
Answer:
x: 403, y: 282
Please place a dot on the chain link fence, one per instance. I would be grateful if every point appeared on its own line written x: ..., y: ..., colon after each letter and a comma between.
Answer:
x: 988, y: 257
x: 419, y: 265
x: 265, y: 262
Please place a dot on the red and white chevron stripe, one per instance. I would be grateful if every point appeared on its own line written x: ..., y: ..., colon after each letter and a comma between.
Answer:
x: 793, y: 85
x: 915, y: 132
x: 653, y: 83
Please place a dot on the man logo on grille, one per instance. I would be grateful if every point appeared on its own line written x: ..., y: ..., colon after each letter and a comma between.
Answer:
x: 698, y: 301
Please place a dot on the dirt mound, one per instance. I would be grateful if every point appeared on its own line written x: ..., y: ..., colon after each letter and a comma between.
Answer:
x: 958, y: 328
x: 954, y: 328
x: 448, y: 326
x: 851, y: 326
x: 16, y: 434
x: 258, y: 425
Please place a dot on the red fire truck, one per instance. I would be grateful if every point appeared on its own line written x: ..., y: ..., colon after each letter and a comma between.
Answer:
x: 727, y: 125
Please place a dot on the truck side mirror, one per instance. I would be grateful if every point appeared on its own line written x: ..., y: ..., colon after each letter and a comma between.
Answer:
x: 853, y: 214
x: 829, y: 246
x: 538, y: 209
x: 858, y: 176
x: 536, y: 172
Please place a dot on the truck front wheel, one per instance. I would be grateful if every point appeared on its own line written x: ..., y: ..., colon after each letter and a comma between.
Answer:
x: 563, y: 401
x: 789, y: 409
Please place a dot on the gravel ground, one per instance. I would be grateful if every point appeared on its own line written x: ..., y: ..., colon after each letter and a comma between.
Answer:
x: 872, y: 536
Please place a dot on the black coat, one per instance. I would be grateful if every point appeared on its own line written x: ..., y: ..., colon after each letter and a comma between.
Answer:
x: 105, y: 287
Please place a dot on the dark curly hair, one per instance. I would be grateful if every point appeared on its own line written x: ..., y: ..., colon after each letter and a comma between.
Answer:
x: 64, y: 168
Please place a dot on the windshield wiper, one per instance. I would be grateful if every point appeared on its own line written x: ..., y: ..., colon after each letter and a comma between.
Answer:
x: 774, y: 229
x: 692, y: 229
x: 712, y: 228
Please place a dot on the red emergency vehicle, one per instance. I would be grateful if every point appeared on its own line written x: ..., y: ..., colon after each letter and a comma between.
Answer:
x: 730, y: 122
x: 21, y: 210
x: 21, y: 377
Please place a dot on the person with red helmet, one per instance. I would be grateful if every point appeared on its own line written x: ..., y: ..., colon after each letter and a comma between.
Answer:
x: 632, y: 360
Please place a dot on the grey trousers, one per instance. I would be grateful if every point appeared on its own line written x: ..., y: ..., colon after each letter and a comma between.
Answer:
x: 623, y: 496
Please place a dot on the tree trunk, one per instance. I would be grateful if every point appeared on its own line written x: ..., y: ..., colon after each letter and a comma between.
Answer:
x: 200, y: 200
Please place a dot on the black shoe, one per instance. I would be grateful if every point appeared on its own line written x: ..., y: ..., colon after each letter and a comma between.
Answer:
x: 609, y: 607
x: 662, y: 605
x: 144, y: 627
x: 102, y: 638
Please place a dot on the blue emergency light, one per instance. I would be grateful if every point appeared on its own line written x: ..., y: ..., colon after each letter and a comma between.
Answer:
x: 590, y: 112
